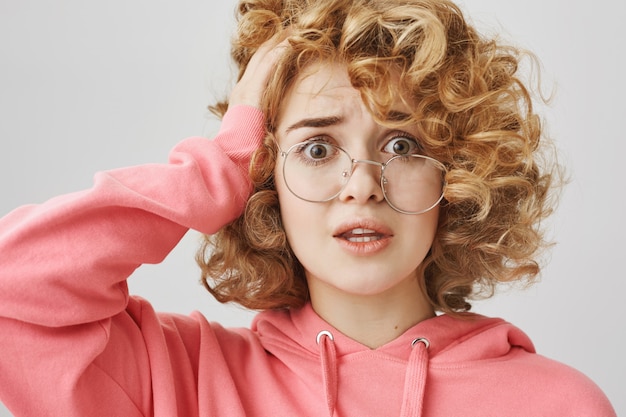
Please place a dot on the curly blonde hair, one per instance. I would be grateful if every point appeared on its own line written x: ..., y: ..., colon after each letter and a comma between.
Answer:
x: 473, y: 113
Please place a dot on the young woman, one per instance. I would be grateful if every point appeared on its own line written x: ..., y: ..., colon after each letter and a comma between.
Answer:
x: 377, y: 165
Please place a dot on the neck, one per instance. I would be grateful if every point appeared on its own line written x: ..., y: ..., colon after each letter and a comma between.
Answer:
x: 372, y: 320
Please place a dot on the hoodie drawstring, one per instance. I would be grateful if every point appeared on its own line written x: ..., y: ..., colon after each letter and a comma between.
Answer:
x: 414, y: 379
x: 329, y: 368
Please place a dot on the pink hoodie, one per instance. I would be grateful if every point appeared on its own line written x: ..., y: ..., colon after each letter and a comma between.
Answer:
x: 74, y: 343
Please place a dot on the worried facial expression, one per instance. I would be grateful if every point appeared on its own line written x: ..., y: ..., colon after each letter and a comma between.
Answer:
x: 355, y: 242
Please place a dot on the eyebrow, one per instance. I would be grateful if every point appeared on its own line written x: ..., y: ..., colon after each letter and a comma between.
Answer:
x: 315, y: 122
x: 393, y: 116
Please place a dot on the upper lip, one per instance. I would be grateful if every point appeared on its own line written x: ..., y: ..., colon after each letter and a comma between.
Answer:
x: 367, y: 225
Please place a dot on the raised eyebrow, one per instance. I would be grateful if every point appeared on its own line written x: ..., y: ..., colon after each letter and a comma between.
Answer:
x: 315, y: 122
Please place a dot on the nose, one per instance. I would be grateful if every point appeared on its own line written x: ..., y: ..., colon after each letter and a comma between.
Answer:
x: 364, y: 183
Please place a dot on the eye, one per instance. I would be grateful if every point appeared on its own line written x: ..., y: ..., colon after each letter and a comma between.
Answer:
x: 402, y: 145
x: 314, y: 152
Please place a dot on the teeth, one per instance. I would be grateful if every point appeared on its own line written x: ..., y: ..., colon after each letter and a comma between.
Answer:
x: 363, y: 239
x: 362, y: 231
x: 360, y: 235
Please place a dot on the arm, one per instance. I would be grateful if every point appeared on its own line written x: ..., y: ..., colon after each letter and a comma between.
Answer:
x: 72, y: 255
x: 131, y: 216
x: 72, y: 342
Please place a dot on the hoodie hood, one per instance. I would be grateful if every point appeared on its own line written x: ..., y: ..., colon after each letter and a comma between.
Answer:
x: 342, y: 367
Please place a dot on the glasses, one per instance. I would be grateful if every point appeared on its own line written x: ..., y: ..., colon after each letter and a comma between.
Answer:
x: 319, y: 171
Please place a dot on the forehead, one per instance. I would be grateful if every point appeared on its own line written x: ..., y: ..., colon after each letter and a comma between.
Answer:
x: 325, y: 88
x: 319, y: 85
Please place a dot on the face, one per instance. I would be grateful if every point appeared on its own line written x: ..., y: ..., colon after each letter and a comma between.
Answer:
x: 354, y: 243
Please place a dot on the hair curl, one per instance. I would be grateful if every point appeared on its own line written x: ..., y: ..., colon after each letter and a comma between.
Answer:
x: 473, y: 113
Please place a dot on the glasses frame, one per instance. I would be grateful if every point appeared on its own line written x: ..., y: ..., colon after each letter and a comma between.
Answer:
x: 383, y: 180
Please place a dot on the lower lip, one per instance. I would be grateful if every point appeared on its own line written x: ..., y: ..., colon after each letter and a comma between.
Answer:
x: 364, y: 248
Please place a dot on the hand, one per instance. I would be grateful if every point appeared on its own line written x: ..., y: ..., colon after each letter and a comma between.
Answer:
x: 249, y: 90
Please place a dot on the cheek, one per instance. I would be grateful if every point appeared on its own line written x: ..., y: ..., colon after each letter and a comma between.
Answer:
x: 288, y: 208
x: 303, y: 222
x: 423, y: 230
x: 430, y: 223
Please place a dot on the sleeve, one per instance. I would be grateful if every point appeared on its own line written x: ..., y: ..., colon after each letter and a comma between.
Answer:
x: 64, y: 303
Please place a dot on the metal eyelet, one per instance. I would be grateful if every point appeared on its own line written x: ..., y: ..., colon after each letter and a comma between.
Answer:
x: 324, y: 333
x: 421, y: 340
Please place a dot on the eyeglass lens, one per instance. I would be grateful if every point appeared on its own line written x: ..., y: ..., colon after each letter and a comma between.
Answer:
x: 317, y: 172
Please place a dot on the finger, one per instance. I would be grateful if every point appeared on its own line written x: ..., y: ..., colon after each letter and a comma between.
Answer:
x: 249, y: 89
x: 269, y: 52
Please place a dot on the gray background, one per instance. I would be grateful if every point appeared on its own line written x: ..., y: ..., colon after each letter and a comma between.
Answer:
x: 87, y: 86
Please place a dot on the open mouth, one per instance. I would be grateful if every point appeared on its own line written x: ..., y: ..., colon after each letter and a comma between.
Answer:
x: 363, y: 236
x: 359, y: 235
